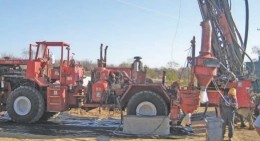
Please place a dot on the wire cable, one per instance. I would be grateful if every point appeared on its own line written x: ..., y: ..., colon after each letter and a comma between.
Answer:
x: 217, y: 88
x: 146, y: 9
x: 176, y: 31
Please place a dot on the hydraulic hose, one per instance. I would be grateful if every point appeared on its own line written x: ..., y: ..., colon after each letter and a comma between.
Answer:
x: 246, y: 26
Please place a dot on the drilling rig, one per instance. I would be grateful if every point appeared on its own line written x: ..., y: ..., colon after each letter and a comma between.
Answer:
x: 49, y: 90
x: 229, y: 48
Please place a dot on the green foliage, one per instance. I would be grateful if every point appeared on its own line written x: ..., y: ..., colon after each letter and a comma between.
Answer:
x: 127, y: 63
x: 171, y: 75
x: 181, y: 75
x: 124, y: 64
x: 184, y: 75
x: 152, y: 73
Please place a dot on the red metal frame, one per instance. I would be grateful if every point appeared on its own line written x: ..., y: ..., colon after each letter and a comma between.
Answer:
x: 13, y: 61
x: 67, y: 90
x: 204, y: 73
x: 243, y: 88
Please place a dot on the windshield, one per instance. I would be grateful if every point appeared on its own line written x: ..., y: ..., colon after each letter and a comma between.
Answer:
x: 41, y: 51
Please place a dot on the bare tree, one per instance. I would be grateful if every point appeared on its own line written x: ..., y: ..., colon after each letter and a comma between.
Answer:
x: 172, y: 65
x: 256, y: 50
x: 125, y: 64
x: 88, y: 65
x: 26, y: 53
x: 7, y: 55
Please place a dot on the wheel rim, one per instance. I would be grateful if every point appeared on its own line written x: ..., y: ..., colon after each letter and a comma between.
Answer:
x: 22, y: 105
x: 146, y: 108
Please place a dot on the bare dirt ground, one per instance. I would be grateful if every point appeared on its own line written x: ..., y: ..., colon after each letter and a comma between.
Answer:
x: 77, y: 125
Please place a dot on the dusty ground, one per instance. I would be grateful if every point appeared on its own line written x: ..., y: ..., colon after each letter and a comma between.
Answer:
x: 78, y: 125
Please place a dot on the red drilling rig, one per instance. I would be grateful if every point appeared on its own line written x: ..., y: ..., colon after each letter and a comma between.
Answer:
x: 49, y: 89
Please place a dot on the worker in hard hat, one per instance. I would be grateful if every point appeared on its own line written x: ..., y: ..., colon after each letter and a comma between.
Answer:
x: 228, y: 106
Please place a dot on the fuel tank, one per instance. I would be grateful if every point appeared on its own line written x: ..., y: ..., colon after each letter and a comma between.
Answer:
x: 99, y: 90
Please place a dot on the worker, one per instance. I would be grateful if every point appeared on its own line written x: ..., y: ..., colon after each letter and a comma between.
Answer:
x: 257, y: 123
x: 65, y: 66
x: 175, y: 87
x: 228, y: 106
x: 111, y: 78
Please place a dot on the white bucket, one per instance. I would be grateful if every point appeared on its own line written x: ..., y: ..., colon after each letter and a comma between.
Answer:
x: 203, y: 96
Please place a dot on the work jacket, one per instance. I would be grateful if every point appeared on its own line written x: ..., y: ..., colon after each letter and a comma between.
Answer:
x: 228, y: 106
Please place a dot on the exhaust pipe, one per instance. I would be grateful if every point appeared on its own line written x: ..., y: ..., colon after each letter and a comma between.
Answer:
x: 101, y: 52
x: 105, y: 57
x: 100, y: 64
x: 164, y: 77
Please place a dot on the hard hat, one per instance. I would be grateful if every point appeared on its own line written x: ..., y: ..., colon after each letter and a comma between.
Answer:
x: 232, y: 91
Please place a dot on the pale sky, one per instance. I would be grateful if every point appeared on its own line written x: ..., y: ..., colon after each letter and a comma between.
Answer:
x: 158, y: 30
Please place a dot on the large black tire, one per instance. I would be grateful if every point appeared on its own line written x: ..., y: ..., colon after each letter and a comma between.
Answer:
x: 147, y: 97
x: 25, y: 105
